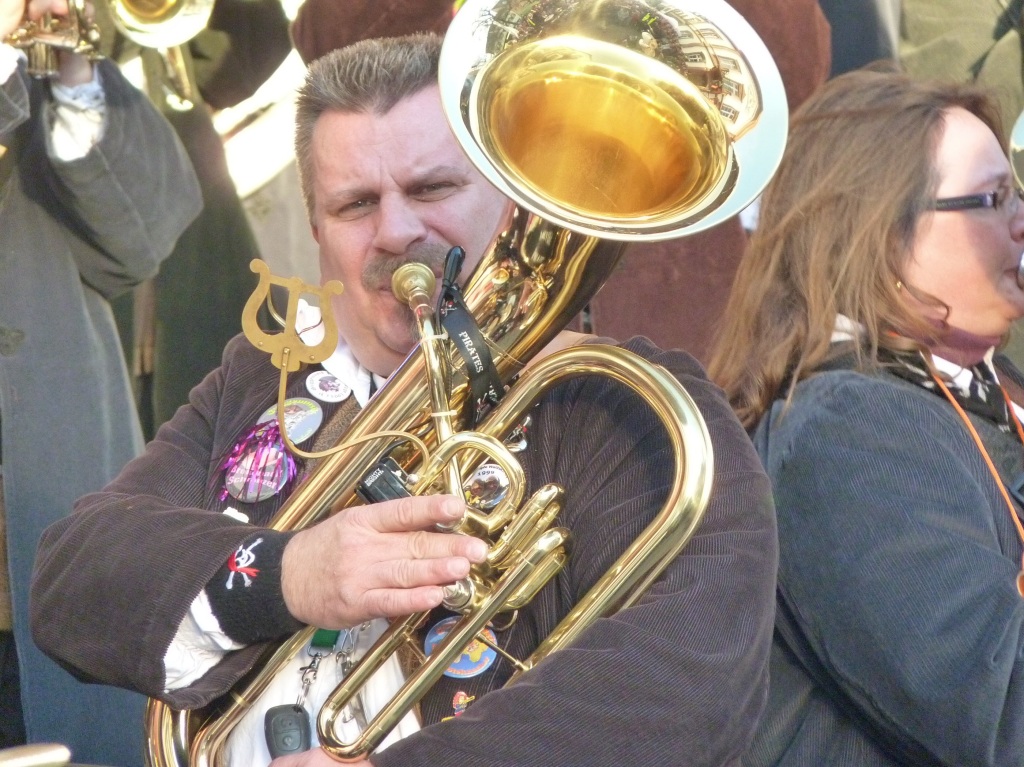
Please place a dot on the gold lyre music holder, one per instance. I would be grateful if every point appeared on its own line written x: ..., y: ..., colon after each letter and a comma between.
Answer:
x: 288, y: 352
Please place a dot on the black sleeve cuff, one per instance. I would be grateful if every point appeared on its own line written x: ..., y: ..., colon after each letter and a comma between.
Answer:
x: 245, y: 594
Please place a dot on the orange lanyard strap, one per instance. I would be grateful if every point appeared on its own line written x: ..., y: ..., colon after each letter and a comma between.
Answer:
x: 981, y: 447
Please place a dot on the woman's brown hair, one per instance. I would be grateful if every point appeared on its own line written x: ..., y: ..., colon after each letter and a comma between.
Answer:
x: 836, y: 226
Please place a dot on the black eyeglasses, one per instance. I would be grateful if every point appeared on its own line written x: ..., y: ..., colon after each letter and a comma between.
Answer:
x: 1006, y: 201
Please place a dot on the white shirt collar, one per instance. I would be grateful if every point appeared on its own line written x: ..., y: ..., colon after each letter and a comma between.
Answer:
x: 342, y: 363
x: 847, y: 330
x: 958, y: 374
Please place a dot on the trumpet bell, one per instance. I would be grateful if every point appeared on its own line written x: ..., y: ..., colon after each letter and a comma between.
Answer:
x: 633, y: 120
x: 608, y: 114
x: 161, y: 23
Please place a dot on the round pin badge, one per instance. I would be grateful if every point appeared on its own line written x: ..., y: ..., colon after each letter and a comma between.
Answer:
x: 486, y: 488
x: 259, y: 474
x: 302, y: 417
x: 461, y: 701
x: 327, y: 387
x: 475, y: 659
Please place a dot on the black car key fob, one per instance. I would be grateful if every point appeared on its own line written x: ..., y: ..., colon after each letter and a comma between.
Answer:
x: 287, y: 730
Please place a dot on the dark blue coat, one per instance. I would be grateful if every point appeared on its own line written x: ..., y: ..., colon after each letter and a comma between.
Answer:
x: 899, y: 635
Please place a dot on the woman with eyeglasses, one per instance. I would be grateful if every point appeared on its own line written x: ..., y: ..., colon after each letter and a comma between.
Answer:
x: 858, y: 348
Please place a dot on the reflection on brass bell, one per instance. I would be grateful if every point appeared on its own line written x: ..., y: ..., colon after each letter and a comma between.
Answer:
x: 486, y: 487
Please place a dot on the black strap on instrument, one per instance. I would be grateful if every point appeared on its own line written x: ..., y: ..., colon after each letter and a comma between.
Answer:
x: 454, y: 316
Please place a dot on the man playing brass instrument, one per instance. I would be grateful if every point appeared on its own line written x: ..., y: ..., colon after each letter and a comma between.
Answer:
x: 173, y: 595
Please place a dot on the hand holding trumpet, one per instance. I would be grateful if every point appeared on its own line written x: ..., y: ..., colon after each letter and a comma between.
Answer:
x: 13, y: 12
x: 72, y: 36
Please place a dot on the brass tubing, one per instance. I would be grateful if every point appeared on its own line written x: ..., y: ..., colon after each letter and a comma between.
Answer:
x: 566, y: 268
x: 413, y: 284
x: 424, y: 677
x: 536, y: 516
x: 497, y: 452
x: 646, y: 558
x: 635, y: 570
x: 206, y: 745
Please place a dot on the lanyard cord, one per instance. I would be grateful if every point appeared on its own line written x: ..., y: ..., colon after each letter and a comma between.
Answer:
x: 988, y: 460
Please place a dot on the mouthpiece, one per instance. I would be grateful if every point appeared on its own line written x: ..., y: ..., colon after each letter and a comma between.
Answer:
x: 413, y: 284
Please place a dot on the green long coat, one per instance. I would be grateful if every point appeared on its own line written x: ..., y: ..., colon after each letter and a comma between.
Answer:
x: 72, y: 236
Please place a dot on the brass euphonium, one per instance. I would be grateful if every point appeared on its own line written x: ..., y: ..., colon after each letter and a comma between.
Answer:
x: 605, y: 122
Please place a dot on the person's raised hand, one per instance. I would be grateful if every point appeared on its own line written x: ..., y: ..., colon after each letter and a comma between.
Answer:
x: 74, y: 69
x: 13, y: 12
x: 380, y: 561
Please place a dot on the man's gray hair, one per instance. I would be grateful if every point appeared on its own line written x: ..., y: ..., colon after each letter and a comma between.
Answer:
x: 367, y: 76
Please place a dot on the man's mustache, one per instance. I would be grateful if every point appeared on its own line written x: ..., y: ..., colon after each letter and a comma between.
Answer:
x: 377, y: 272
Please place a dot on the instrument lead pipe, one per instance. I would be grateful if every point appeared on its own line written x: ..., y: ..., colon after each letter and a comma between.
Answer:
x: 414, y: 284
